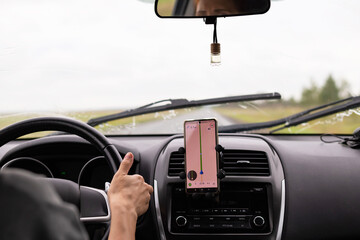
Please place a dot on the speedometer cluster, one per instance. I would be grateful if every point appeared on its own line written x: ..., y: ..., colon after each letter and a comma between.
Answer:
x: 63, y: 157
x: 29, y: 164
x: 95, y: 173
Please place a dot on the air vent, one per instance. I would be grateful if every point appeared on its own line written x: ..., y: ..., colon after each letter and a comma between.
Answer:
x: 176, y: 164
x: 245, y: 163
x: 235, y: 163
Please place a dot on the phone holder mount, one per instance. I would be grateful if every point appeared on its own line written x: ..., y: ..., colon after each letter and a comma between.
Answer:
x: 220, y: 149
x: 221, y: 174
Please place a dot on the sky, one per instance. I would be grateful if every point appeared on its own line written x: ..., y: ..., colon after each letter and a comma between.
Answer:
x: 91, y: 55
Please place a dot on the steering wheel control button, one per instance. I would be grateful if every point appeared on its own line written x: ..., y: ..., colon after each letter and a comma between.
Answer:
x: 181, y: 221
x: 259, y: 221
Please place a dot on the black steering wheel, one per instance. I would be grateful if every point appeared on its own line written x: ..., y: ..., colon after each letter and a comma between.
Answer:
x: 68, y: 125
x: 92, y: 203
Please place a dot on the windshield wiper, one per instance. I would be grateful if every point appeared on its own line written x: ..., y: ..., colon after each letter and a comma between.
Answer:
x: 298, y: 118
x: 180, y: 103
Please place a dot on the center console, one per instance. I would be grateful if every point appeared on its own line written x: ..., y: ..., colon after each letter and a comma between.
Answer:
x: 249, y: 206
x: 238, y: 208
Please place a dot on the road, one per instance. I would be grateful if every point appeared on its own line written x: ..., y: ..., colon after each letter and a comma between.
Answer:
x: 172, y: 123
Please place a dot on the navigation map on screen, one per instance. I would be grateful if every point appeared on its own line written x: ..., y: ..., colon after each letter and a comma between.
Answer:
x: 201, y: 165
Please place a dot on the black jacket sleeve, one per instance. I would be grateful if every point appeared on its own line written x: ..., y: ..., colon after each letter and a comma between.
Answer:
x: 31, y: 209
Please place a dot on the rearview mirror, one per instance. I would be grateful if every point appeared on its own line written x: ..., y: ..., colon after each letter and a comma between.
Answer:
x: 209, y: 8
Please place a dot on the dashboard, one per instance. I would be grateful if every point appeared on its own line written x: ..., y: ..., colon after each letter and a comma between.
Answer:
x: 275, y: 186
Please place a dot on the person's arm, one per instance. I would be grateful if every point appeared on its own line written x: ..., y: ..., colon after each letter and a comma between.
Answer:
x: 129, y: 198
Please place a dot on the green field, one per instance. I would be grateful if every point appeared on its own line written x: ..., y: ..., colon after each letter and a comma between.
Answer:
x: 343, y: 123
x: 109, y: 128
x: 336, y: 124
x: 84, y: 116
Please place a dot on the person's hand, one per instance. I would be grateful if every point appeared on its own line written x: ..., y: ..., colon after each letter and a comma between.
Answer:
x: 129, y: 192
x: 129, y: 198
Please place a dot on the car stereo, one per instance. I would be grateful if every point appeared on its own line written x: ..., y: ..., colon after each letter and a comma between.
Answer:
x: 238, y: 208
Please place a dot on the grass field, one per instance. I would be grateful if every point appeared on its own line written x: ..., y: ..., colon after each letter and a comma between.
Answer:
x: 344, y: 123
x: 339, y: 123
x: 109, y: 128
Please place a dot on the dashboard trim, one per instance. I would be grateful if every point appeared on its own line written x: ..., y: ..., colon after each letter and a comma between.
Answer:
x: 282, y: 212
x: 101, y: 218
x: 158, y: 213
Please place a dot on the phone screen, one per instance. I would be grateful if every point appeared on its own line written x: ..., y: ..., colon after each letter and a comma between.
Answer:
x: 201, y: 158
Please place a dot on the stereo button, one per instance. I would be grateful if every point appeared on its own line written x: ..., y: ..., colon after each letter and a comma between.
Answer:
x: 233, y: 211
x: 206, y: 211
x: 181, y: 221
x: 196, y: 210
x: 195, y: 225
x: 226, y: 225
x: 216, y: 211
x: 259, y: 221
x: 242, y: 225
x: 211, y: 225
x: 243, y: 210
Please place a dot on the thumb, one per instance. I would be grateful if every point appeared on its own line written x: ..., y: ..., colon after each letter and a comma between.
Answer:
x: 126, y: 164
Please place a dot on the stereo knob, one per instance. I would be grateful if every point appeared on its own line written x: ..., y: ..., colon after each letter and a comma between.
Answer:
x: 259, y: 221
x: 181, y: 221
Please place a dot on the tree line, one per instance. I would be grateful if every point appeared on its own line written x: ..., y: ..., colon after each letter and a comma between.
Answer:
x: 330, y: 91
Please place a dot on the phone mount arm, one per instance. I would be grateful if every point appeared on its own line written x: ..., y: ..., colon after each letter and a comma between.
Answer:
x: 220, y: 149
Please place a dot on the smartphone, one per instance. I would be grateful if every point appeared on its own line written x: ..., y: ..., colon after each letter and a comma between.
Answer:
x: 201, y: 158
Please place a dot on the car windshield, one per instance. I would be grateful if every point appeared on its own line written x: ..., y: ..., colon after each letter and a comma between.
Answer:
x: 86, y: 59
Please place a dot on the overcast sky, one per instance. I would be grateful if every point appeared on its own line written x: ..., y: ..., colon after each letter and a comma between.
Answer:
x: 89, y: 54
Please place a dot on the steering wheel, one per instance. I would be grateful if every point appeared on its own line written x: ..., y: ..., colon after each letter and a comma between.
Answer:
x: 92, y: 203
